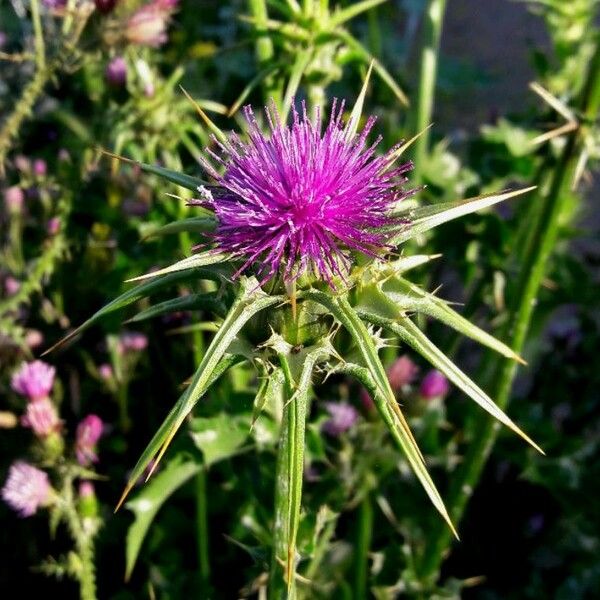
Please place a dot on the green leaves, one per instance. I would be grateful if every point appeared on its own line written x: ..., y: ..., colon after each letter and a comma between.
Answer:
x: 219, y: 437
x: 411, y: 335
x: 383, y: 395
x: 251, y: 300
x: 139, y: 292
x: 181, y: 179
x: 191, y: 262
x: 150, y: 498
x: 424, y: 218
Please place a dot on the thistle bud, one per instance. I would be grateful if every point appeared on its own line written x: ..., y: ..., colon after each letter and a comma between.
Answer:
x: 434, y: 385
x: 88, y: 433
x: 116, y: 72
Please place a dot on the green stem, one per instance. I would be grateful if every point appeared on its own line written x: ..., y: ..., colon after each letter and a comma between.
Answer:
x: 288, y: 491
x: 40, y: 53
x: 535, y: 264
x: 363, y: 544
x: 202, y: 531
x: 264, y: 50
x: 23, y: 108
x: 432, y: 33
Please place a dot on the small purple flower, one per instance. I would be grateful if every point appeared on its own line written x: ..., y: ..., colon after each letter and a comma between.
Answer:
x: 342, y: 417
x: 434, y: 385
x: 302, y: 199
x: 26, y: 489
x: 34, y: 338
x: 132, y: 341
x: 88, y: 433
x: 41, y: 417
x: 105, y: 371
x: 116, y: 72
x: 402, y: 372
x: 54, y: 3
x: 13, y: 199
x: 148, y: 25
x: 86, y: 489
x: 53, y: 226
x: 40, y: 168
x: 22, y: 163
x: 34, y: 380
x: 11, y: 285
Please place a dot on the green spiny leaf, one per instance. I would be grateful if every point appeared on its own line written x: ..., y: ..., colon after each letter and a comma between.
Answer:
x: 425, y: 218
x: 190, y: 302
x: 411, y: 335
x: 191, y: 262
x: 137, y: 293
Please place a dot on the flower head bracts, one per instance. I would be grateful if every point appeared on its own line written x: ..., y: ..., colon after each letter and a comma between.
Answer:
x: 302, y: 199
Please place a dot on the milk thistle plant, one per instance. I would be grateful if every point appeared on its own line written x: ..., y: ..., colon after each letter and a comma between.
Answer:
x: 301, y: 232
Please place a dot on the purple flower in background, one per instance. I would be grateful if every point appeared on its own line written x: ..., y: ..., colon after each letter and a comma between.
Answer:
x: 54, y: 3
x: 434, y: 385
x: 34, y: 380
x: 105, y: 371
x: 11, y: 285
x: 26, y: 488
x: 86, y: 489
x: 402, y: 372
x: 342, y: 417
x: 34, y: 338
x: 41, y: 416
x: 53, y: 226
x: 13, y: 199
x: 148, y: 25
x: 116, y: 72
x: 132, y: 341
x: 301, y: 199
x: 40, y: 168
x: 88, y: 433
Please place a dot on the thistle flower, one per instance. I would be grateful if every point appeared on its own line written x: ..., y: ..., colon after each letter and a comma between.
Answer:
x: 402, y: 372
x: 41, y: 416
x: 53, y: 226
x: 40, y: 168
x: 11, y: 285
x: 88, y: 433
x: 302, y: 199
x: 132, y: 341
x: 342, y: 417
x: 116, y: 72
x: 434, y: 385
x: 13, y: 199
x: 34, y: 380
x: 26, y: 489
x: 148, y: 25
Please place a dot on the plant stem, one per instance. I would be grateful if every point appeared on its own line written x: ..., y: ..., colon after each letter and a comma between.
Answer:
x: 363, y: 544
x: 202, y: 530
x: 40, y: 52
x: 432, y: 33
x: 23, y: 108
x: 264, y: 50
x: 535, y: 262
x: 288, y: 491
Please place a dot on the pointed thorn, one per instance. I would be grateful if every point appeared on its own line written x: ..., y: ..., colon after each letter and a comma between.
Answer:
x: 124, y: 495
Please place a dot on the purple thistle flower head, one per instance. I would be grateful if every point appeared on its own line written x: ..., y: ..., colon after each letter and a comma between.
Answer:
x: 26, y: 489
x: 343, y: 416
x: 33, y: 380
x: 434, y: 385
x: 88, y: 433
x: 302, y: 199
x: 41, y: 417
